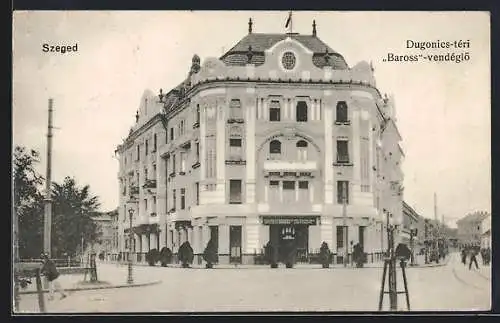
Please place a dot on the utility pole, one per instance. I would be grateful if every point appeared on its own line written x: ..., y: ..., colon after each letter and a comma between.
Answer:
x: 48, y: 184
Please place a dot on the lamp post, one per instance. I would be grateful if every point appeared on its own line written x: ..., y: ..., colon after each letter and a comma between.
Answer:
x: 130, y: 278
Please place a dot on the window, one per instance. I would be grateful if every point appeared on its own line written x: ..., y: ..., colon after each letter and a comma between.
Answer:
x: 154, y: 142
x: 303, y: 193
x: 235, y: 191
x: 181, y: 128
x: 303, y: 185
x: 288, y: 185
x: 183, y: 198
x: 197, y: 152
x: 145, y: 174
x: 275, y: 149
x: 173, y: 163
x: 174, y: 198
x: 146, y: 205
x: 340, y: 236
x: 288, y: 60
x: 171, y: 133
x: 342, y: 192
x: 138, y: 156
x: 301, y: 150
x: 147, y: 147
x: 301, y: 111
x: 235, y: 109
x: 183, y: 161
x: 274, y: 111
x: 154, y: 205
x: 197, y: 189
x: 342, y: 151
x: 198, y: 113
x: 154, y: 172
x: 342, y: 111
x: 274, y: 194
x: 235, y: 148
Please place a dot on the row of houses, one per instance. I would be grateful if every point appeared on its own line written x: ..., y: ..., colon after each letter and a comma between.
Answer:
x: 475, y: 229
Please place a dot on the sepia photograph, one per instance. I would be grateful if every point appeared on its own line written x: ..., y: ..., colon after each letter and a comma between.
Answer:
x: 176, y: 162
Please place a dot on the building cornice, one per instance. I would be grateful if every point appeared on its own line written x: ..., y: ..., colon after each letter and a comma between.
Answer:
x: 136, y: 133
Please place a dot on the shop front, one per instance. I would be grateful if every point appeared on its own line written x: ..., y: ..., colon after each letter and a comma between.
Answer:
x: 287, y: 232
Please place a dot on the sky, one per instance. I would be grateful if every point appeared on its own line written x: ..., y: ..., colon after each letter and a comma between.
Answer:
x: 442, y: 108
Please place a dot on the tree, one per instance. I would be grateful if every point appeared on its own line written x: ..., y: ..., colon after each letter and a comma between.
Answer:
x: 73, y: 212
x: 28, y: 202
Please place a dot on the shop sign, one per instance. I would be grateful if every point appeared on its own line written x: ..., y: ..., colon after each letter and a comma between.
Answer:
x: 267, y: 220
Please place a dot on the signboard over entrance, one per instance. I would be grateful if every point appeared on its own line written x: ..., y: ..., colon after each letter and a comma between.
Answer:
x: 304, y: 220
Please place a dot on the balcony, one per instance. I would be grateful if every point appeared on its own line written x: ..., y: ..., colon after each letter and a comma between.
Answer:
x: 134, y: 190
x: 196, y: 164
x: 235, y: 116
x: 342, y: 122
x: 235, y: 159
x: 278, y: 165
x: 150, y: 183
x: 196, y: 125
x: 342, y: 160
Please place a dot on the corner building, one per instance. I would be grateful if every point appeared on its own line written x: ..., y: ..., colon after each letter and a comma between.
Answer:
x: 278, y: 138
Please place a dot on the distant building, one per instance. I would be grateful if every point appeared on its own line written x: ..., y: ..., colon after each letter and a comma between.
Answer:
x: 107, y: 223
x: 279, y: 138
x: 472, y: 227
x: 411, y: 220
x: 486, y: 232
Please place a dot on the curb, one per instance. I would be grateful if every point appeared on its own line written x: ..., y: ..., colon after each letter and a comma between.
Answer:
x: 255, y: 267
x: 97, y: 287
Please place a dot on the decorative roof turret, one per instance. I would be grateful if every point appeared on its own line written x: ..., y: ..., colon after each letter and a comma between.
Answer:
x: 250, y: 24
x: 314, y: 28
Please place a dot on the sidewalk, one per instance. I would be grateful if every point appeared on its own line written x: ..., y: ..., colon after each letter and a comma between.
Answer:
x: 108, y: 276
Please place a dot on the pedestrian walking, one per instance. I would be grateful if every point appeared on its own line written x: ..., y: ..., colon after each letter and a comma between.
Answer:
x: 50, y: 271
x: 464, y: 256
x: 473, y: 254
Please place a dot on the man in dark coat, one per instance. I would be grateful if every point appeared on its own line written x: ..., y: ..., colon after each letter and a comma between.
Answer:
x: 49, y: 269
x: 473, y: 253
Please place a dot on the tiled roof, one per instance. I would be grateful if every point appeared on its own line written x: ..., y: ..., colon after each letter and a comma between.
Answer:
x: 261, y: 42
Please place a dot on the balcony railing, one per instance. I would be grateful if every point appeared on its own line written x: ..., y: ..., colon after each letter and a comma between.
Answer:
x: 343, y: 122
x: 134, y: 190
x: 150, y: 183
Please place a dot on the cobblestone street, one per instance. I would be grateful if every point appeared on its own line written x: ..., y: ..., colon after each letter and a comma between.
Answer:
x: 263, y: 289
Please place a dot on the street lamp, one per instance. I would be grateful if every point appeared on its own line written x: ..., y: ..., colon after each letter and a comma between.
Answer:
x: 130, y: 278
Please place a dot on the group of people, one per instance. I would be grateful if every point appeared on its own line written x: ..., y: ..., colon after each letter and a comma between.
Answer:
x: 471, y: 252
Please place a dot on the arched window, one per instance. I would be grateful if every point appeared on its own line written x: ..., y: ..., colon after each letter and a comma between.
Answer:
x: 301, y: 150
x: 275, y: 149
x: 301, y: 111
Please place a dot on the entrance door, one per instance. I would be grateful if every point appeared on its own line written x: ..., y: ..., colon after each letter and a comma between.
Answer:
x: 235, y: 244
x: 286, y: 236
